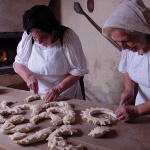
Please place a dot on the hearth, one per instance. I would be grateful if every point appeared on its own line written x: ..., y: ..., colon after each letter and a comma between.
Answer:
x: 8, y: 46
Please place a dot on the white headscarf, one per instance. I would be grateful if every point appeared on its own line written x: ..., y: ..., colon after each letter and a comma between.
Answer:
x: 131, y: 15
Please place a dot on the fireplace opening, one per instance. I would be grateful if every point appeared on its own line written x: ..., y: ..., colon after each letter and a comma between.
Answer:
x: 8, y: 46
x: 8, y: 50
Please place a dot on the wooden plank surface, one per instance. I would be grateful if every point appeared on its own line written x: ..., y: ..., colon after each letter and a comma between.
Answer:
x: 123, y: 136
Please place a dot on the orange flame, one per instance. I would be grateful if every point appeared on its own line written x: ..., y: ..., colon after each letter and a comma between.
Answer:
x: 4, y: 57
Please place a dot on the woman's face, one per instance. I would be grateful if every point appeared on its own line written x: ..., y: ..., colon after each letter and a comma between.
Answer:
x: 41, y: 37
x: 134, y: 42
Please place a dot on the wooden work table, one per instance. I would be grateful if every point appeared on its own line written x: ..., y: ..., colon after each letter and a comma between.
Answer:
x: 123, y: 136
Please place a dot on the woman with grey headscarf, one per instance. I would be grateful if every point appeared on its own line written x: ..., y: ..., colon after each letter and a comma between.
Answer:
x: 129, y: 26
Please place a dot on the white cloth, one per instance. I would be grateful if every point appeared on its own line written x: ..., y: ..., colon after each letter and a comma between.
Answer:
x: 131, y: 15
x: 138, y: 68
x: 52, y: 64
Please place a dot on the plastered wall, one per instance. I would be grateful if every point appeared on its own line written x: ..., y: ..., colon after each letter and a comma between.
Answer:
x: 104, y: 83
x: 11, y: 12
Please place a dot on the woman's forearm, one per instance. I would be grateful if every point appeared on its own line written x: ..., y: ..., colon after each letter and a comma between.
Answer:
x: 143, y: 109
x: 53, y: 93
x: 23, y: 71
x: 68, y: 82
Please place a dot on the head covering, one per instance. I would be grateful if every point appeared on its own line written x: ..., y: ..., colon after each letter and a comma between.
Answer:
x: 40, y: 17
x: 131, y: 15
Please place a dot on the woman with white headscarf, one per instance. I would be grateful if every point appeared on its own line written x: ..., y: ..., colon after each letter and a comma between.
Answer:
x: 129, y: 26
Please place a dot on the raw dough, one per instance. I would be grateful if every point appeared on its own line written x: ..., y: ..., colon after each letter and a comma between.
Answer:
x: 24, y: 106
x: 42, y: 96
x: 17, y: 136
x: 69, y: 113
x: 2, y: 119
x: 87, y: 115
x: 59, y: 98
x: 4, y: 104
x: 9, y: 123
x: 38, y: 136
x: 63, y: 130
x: 15, y: 119
x: 32, y: 98
x: 13, y: 111
x: 59, y: 143
x: 55, y: 119
x: 99, y: 131
x: 36, y: 109
x: 61, y: 104
x: 20, y: 128
x: 56, y: 142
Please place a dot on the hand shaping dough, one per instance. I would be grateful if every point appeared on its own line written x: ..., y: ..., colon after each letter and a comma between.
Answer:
x: 32, y: 98
x: 4, y: 104
x: 99, y: 131
x: 87, y: 115
x: 38, y: 136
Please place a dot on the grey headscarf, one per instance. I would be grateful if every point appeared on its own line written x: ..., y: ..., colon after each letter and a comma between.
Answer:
x: 131, y: 15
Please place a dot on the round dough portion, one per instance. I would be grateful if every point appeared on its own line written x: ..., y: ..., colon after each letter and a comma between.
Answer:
x: 87, y: 115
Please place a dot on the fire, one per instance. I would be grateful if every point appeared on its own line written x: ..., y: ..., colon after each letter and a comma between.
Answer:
x: 4, y: 57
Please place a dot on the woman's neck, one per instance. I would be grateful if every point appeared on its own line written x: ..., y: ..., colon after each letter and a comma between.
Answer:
x: 146, y: 48
x: 54, y: 37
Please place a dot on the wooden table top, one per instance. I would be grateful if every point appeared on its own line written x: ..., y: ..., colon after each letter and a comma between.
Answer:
x: 123, y: 136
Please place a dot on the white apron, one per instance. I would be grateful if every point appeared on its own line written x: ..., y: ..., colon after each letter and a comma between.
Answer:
x: 50, y: 67
x: 52, y: 64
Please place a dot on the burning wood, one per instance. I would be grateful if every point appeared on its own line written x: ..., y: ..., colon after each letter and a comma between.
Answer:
x: 4, y: 57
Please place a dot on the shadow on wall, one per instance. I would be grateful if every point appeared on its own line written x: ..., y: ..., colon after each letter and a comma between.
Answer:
x: 97, y: 95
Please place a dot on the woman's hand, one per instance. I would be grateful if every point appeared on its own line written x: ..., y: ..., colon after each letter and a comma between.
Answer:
x: 52, y: 94
x: 32, y: 83
x: 127, y: 97
x: 27, y: 76
x: 126, y: 113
